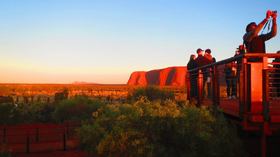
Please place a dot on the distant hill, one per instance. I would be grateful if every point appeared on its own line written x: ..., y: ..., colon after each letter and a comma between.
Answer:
x: 171, y: 76
x: 82, y: 82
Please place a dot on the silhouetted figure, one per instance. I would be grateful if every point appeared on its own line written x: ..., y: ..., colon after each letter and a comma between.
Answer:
x: 193, y: 77
x: 239, y: 51
x: 202, y: 61
x: 208, y: 55
x: 230, y: 76
x: 254, y: 42
x: 208, y: 83
x: 276, y: 82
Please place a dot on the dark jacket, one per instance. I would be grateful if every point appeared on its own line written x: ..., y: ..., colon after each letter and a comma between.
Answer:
x: 230, y: 70
x: 202, y: 61
x: 192, y: 64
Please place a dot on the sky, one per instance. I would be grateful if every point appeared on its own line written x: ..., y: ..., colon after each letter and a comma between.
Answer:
x: 104, y: 41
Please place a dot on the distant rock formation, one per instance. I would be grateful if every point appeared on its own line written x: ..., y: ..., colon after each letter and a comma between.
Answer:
x: 171, y: 76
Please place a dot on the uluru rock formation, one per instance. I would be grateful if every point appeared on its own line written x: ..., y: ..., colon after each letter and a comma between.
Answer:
x: 171, y: 76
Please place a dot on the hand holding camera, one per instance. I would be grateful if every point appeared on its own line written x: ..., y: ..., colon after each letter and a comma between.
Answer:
x: 272, y: 14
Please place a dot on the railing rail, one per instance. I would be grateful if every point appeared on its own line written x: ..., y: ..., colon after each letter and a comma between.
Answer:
x: 26, y: 135
x: 245, y: 79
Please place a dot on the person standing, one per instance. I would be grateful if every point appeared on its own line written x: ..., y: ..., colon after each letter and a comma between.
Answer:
x: 239, y: 51
x: 193, y: 77
x: 230, y: 76
x: 201, y: 61
x: 208, y: 83
x: 209, y: 56
x: 254, y: 42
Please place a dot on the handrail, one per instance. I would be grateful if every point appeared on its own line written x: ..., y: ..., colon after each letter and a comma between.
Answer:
x: 217, y: 63
x: 256, y: 79
x: 247, y: 55
x: 37, y: 134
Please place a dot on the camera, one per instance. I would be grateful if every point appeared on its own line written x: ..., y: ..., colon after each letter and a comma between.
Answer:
x: 272, y: 13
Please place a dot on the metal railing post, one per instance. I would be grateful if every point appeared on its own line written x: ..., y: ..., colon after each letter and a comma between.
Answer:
x: 27, y: 143
x: 4, y: 134
x: 214, y: 83
x: 37, y: 134
x: 200, y: 88
x: 216, y: 88
x: 64, y: 139
x: 265, y: 94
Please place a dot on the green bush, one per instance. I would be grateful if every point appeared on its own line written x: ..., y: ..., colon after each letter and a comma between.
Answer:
x: 76, y: 108
x: 8, y: 113
x: 151, y: 93
x: 158, y: 128
x: 34, y: 113
x: 25, y: 113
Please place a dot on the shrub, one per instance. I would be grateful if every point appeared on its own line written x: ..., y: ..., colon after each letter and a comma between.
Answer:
x: 59, y: 96
x: 76, y: 108
x: 8, y: 113
x: 34, y: 112
x: 151, y: 93
x: 146, y: 128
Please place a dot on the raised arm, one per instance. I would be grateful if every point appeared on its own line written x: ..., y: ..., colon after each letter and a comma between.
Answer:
x: 273, y: 31
x: 250, y: 35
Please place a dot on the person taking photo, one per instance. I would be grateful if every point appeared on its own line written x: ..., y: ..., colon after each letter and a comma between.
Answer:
x: 254, y: 42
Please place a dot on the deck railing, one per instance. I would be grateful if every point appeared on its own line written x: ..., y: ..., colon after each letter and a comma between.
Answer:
x: 253, y: 89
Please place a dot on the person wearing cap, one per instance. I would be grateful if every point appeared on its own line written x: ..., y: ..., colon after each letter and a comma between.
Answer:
x: 202, y: 61
x: 256, y: 43
x: 208, y: 56
x: 210, y: 59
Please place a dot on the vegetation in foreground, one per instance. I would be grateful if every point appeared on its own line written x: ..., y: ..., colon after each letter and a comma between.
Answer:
x: 78, y: 108
x: 146, y: 125
x: 158, y: 128
x: 151, y: 93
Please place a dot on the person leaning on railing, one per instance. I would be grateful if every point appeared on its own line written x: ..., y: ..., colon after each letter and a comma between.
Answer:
x: 254, y: 42
x: 231, y: 80
x: 239, y: 51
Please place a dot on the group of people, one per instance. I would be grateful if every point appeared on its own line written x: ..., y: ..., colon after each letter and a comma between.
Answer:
x: 203, y: 58
x: 253, y: 42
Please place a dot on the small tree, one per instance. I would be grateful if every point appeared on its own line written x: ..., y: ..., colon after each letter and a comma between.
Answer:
x: 59, y: 96
x: 151, y: 93
x: 159, y: 128
x: 76, y: 108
